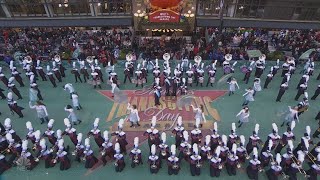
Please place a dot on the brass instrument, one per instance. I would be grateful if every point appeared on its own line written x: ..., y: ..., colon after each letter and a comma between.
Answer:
x: 238, y: 165
x: 298, y: 163
x: 209, y: 155
x: 311, y: 157
x: 116, y: 163
x: 136, y: 159
x: 220, y: 166
x: 54, y: 161
x: 175, y: 165
x: 154, y: 166
x: 163, y: 152
x: 187, y: 151
x: 247, y: 155
x: 198, y: 165
x: 103, y: 152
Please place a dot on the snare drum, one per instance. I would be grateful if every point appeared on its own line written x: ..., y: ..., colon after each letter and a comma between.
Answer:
x: 244, y: 69
x: 201, y: 79
x: 134, y: 81
x: 212, y: 79
x: 190, y: 80
x: 139, y: 81
x: 227, y: 70
x: 144, y: 80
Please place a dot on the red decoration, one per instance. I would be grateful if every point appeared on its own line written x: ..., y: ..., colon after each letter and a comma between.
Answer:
x: 164, y: 16
x: 165, y: 3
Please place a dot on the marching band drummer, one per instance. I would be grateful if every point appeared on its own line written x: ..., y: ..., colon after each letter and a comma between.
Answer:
x: 232, y: 161
x: 215, y: 137
x: 79, y: 150
x: 199, y: 114
x: 185, y: 147
x: 62, y: 157
x: 233, y: 137
x: 139, y: 76
x: 275, y: 169
x: 196, y: 134
x: 134, y: 115
x: 96, y: 133
x: 189, y: 73
x: 96, y: 81
x: 200, y: 75
x: 265, y: 155
x: 260, y: 65
x: 212, y: 74
x: 135, y: 154
x: 178, y: 132
x: 153, y: 160
x: 173, y: 162
x: 119, y: 159
x: 49, y: 133
x: 215, y: 163
x: 91, y: 159
x: 254, y: 166
x: 45, y: 154
x: 195, y: 161
x: 163, y: 149
x: 107, y: 148
x: 241, y: 151
x: 206, y: 150
x: 152, y: 133
x: 121, y: 138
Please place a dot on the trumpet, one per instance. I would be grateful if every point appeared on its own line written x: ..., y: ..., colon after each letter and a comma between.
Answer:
x: 38, y: 158
x: 187, y: 151
x: 136, y: 159
x: 209, y: 155
x: 247, y: 155
x: 163, y: 152
x: 54, y: 161
x: 175, y: 165
x: 103, y: 152
x: 284, y: 176
x: 238, y: 165
x: 116, y: 163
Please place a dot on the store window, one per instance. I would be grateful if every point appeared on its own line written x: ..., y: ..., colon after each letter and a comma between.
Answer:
x: 112, y: 7
x: 21, y: 8
x: 70, y: 7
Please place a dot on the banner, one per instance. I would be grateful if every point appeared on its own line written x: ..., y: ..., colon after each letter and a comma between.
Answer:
x: 163, y: 16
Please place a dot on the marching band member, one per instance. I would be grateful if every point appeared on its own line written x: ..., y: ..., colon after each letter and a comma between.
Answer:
x: 45, y: 154
x: 12, y: 87
x: 3, y: 78
x: 243, y: 116
x: 4, y: 164
x: 167, y: 82
x: 56, y: 71
x: 232, y: 161
x: 275, y: 169
x: 30, y: 135
x: 254, y: 166
x: 288, y: 135
x: 134, y: 117
x: 206, y: 150
x: 17, y: 77
x: 57, y: 59
x: 317, y: 132
x: 41, y: 111
x: 215, y: 163
x: 248, y: 96
x: 91, y: 160
x: 195, y: 161
x: 196, y: 134
x: 75, y: 72
x: 296, y: 167
x: 114, y: 85
x: 316, y: 93
x: 305, y: 141
x: 303, y: 106
x: 268, y: 79
x: 173, y: 162
x: 138, y: 73
x: 285, y: 68
x: 175, y: 86
x: 212, y: 74
x: 135, y: 154
x: 233, y: 137
x: 185, y: 147
x: 152, y: 133
x: 153, y: 160
x: 25, y: 154
x: 177, y: 72
x: 1, y: 94
x: 107, y: 148
x: 287, y: 158
x: 10, y: 130
x: 127, y: 73
x: 121, y: 137
x: 129, y: 63
x: 282, y: 90
x: 184, y: 87
x: 232, y: 86
x: 275, y: 68
x: 314, y: 170
x: 178, y: 132
x: 70, y: 131
x: 83, y: 70
x: 40, y: 71
x: 79, y: 150
x: 62, y: 157
x: 157, y: 95
x: 292, y: 116
x: 163, y: 149
x: 189, y: 73
x: 247, y: 75
x: 241, y: 151
x: 36, y: 145
x: 57, y: 145
x: 304, y: 80
x: 199, y: 114
x: 215, y: 137
x: 302, y: 89
x: 96, y: 133
x: 72, y: 115
x: 17, y: 109
x: 14, y: 147
x: 254, y: 140
x: 200, y: 75
x: 49, y: 133
x: 50, y: 76
x: 260, y: 65
x: 97, y: 69
x: 156, y: 72
x: 265, y: 154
